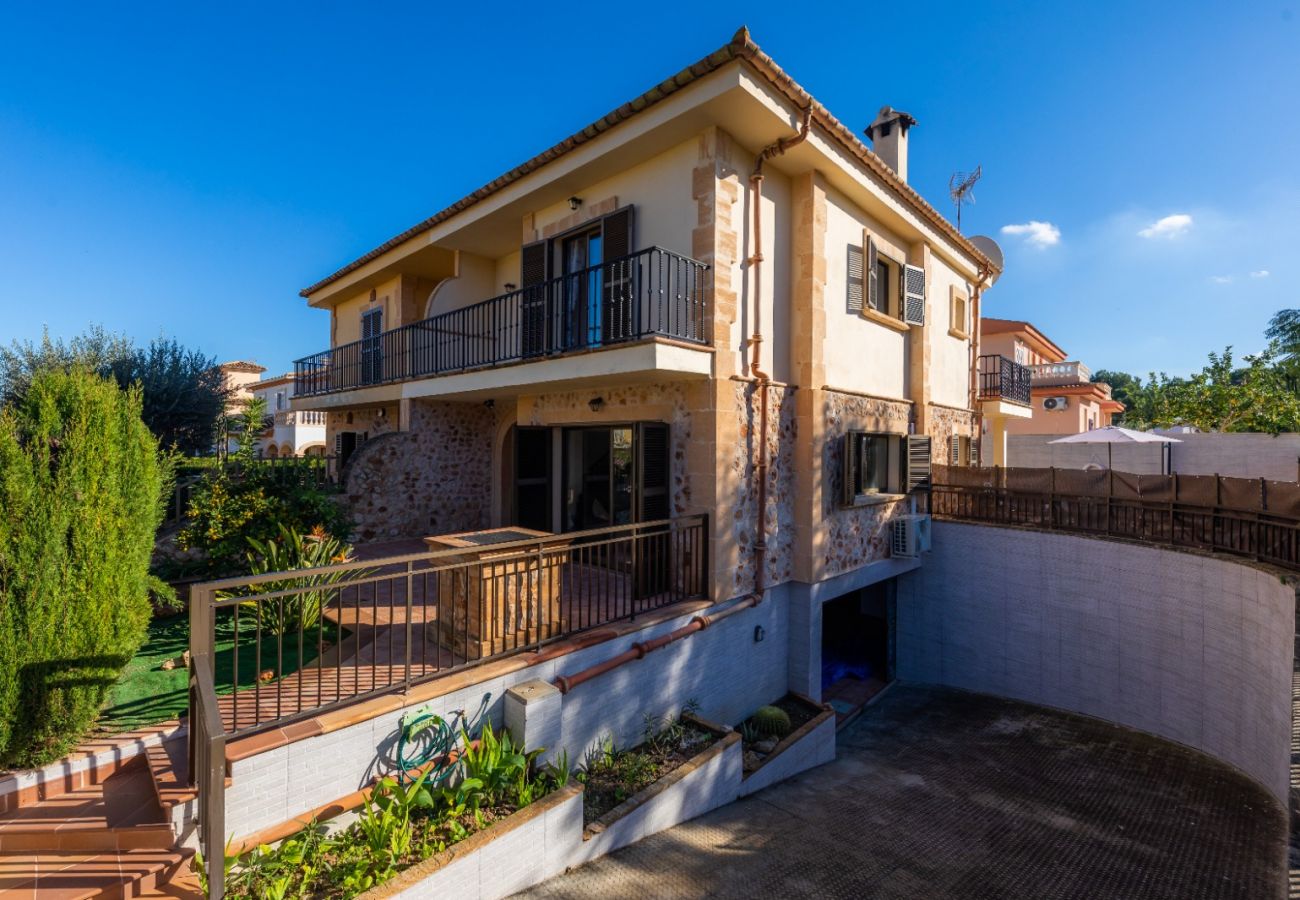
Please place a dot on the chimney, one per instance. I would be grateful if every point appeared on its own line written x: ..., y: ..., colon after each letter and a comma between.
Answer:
x: 888, y: 134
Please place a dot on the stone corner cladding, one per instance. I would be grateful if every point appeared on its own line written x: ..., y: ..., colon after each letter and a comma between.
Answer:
x: 851, y: 538
x: 779, y: 515
x: 435, y: 478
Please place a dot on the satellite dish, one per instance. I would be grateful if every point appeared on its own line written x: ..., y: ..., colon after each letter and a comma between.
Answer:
x: 989, y: 247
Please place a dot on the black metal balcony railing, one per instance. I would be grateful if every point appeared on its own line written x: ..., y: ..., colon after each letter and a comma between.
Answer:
x: 651, y: 292
x: 1004, y: 379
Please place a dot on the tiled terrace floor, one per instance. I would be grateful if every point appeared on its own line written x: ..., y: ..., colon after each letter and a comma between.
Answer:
x: 942, y: 795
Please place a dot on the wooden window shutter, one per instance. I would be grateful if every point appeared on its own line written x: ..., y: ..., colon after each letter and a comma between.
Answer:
x: 534, y: 265
x: 954, y: 454
x: 619, y: 320
x: 913, y: 295
x: 849, y: 468
x: 874, y: 287
x: 654, y: 462
x: 917, y: 455
x: 855, y: 278
x: 974, y: 454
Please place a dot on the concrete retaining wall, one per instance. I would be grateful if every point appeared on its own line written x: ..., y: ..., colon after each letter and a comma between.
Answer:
x: 722, y: 668
x: 1189, y: 648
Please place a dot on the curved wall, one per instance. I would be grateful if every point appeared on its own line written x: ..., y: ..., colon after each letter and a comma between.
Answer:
x: 1189, y: 648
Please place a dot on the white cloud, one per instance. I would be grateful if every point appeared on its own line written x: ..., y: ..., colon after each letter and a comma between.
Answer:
x: 1260, y: 273
x: 1169, y: 227
x: 1221, y: 279
x: 1035, y: 233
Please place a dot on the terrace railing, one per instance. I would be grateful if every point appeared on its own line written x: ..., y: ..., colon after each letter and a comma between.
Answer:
x: 1004, y: 379
x: 648, y: 293
x: 269, y: 650
x: 1251, y: 518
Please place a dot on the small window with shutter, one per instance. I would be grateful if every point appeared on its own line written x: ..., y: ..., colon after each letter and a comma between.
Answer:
x: 875, y: 465
x: 856, y: 281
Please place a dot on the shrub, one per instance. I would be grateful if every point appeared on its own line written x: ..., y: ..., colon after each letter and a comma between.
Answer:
x: 82, y: 486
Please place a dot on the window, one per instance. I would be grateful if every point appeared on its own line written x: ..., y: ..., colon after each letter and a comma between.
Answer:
x: 963, y: 451
x: 882, y: 298
x: 957, y: 313
x: 874, y: 464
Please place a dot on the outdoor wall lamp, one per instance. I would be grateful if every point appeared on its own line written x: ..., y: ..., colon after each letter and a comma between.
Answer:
x: 759, y: 634
x: 510, y: 286
x: 574, y: 203
x: 597, y: 404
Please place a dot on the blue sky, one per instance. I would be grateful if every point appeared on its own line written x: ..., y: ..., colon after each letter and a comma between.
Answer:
x: 185, y: 169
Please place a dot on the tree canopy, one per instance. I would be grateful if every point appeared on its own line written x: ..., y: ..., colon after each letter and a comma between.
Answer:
x: 183, y: 394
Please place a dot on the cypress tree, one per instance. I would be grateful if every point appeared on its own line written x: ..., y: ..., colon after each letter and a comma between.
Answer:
x: 81, y: 496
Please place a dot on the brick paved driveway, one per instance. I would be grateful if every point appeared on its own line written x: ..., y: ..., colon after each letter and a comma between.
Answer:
x: 939, y: 794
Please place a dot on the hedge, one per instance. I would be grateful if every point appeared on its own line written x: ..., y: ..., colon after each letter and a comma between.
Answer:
x: 82, y: 487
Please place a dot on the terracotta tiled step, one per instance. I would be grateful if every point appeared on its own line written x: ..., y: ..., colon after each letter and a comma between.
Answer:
x: 184, y: 886
x: 170, y: 769
x: 122, y: 813
x: 71, y: 875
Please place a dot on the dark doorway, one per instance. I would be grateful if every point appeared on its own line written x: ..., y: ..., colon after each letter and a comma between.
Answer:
x: 533, y: 478
x: 857, y: 648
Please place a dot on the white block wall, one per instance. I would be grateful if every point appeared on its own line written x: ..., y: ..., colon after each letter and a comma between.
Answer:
x: 722, y: 668
x: 1189, y: 648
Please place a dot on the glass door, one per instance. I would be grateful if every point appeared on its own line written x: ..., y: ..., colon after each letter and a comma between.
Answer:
x: 581, y: 309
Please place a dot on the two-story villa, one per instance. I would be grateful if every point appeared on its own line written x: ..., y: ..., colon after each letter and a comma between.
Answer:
x: 716, y: 300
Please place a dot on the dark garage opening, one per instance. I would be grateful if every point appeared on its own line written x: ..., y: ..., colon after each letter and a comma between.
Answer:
x: 857, y: 648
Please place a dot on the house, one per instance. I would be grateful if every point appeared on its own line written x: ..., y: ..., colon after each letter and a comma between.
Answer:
x: 1028, y: 386
x: 713, y: 301
x: 238, y: 378
x: 291, y: 432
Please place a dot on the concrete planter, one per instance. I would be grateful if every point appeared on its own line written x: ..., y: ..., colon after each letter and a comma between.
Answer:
x: 809, y: 745
x: 706, y: 781
x: 508, y: 856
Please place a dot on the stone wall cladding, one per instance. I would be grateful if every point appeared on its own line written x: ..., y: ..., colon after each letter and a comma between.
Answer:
x: 434, y: 478
x: 780, y: 512
x: 946, y: 423
x: 667, y: 402
x: 853, y: 537
x: 1190, y: 648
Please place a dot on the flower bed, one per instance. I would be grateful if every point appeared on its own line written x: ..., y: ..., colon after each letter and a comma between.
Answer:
x: 698, y: 769
x: 808, y: 740
x: 400, y: 826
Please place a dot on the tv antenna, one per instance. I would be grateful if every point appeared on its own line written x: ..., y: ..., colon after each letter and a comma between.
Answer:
x: 961, y: 187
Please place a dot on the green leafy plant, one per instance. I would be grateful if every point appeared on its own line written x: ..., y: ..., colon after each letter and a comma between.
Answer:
x: 309, y: 594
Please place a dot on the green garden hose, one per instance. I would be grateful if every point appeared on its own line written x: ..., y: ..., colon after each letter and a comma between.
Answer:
x: 427, y: 736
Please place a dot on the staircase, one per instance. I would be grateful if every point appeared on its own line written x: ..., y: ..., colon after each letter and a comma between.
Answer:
x: 114, y: 836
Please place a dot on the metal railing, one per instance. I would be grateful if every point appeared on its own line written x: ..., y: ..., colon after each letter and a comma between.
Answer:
x: 648, y: 293
x: 1156, y: 514
x: 1004, y: 379
x: 1060, y: 373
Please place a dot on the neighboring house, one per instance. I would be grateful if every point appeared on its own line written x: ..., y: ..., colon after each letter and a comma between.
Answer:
x: 714, y: 300
x: 292, y: 432
x: 238, y: 377
x: 1029, y: 387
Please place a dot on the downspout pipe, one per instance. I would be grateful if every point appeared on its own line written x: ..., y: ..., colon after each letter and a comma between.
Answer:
x: 985, y: 271
x: 763, y: 379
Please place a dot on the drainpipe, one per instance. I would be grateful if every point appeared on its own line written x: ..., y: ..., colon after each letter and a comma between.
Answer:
x: 756, y: 344
x: 985, y: 271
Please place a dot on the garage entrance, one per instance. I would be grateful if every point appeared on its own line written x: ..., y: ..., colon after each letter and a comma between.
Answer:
x: 857, y: 648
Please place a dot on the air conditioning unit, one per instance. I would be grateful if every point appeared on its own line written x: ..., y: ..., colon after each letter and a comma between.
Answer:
x: 1055, y: 403
x: 910, y: 536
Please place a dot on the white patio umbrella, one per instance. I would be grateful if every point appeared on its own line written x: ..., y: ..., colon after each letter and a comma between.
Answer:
x: 1110, y: 435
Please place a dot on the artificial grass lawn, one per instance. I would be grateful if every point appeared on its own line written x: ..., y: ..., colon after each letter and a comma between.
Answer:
x: 146, y: 694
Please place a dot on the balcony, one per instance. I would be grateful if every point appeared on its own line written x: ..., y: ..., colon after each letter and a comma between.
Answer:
x: 651, y: 293
x: 1002, y: 379
x: 287, y: 417
x: 1060, y: 373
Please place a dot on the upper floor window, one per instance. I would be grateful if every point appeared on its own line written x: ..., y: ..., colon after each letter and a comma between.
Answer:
x: 883, y: 288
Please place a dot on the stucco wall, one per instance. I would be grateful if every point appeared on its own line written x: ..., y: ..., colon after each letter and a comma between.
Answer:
x: 435, y: 478
x: 1193, y: 649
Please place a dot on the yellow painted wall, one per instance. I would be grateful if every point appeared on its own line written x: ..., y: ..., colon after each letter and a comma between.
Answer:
x: 949, y: 356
